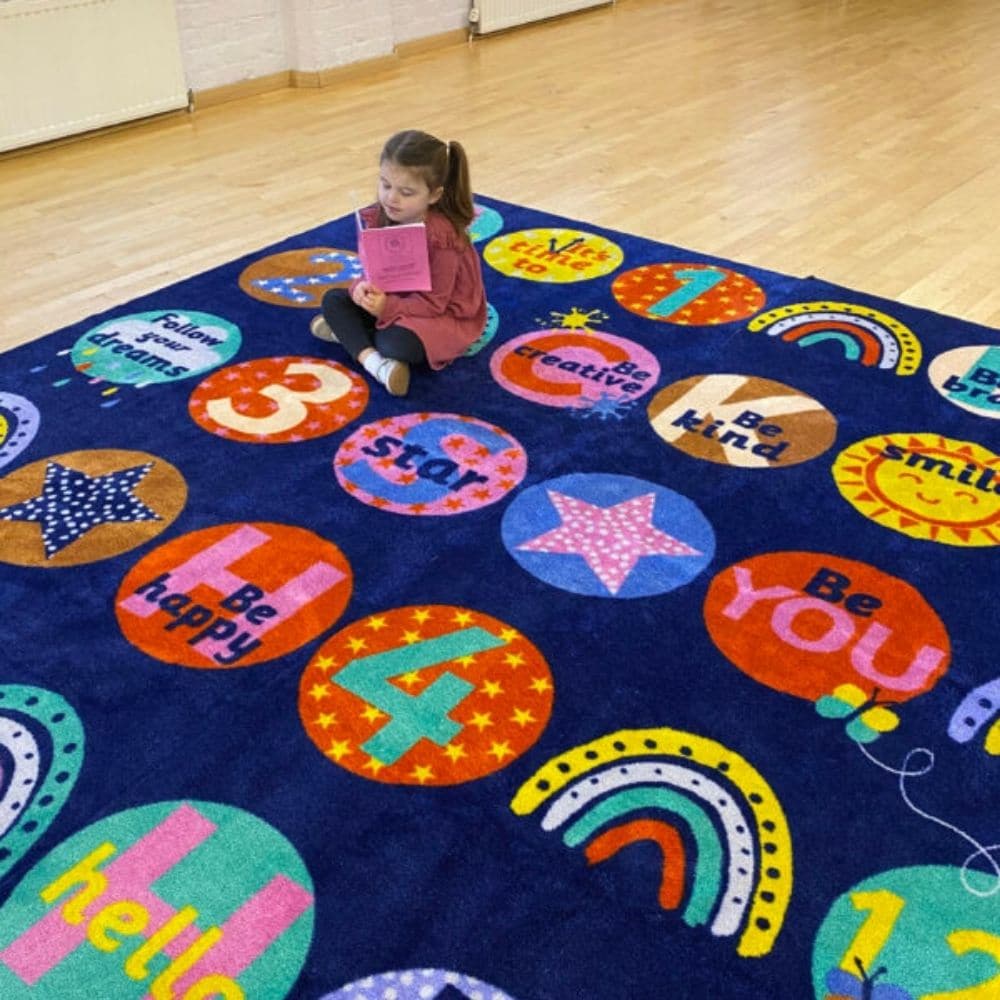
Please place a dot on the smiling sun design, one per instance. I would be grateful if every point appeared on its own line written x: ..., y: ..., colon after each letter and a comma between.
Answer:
x: 925, y: 486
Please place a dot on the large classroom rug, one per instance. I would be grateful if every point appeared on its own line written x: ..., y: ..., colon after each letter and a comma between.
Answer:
x: 647, y: 651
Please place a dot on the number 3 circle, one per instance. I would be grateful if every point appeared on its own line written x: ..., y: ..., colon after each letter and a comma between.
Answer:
x: 278, y: 400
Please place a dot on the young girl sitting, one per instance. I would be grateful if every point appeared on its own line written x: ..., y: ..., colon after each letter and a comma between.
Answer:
x: 421, y: 179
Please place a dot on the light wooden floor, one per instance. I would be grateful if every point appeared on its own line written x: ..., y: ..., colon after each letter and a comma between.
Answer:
x: 853, y: 139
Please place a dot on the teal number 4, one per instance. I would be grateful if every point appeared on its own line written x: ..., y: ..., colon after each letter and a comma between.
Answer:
x: 414, y: 717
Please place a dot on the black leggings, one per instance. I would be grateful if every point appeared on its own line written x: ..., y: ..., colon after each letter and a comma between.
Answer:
x: 355, y: 329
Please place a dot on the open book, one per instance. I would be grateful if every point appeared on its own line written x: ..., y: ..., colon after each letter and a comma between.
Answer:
x: 394, y: 258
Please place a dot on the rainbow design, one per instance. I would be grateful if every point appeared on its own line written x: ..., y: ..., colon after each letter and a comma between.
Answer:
x: 865, y: 335
x: 720, y: 827
x: 978, y: 710
x: 41, y: 754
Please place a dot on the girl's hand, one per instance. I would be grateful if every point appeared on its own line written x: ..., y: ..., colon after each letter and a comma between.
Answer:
x: 369, y: 298
x: 375, y: 302
x: 358, y: 293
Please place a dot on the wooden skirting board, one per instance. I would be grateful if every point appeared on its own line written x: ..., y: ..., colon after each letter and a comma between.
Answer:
x: 325, y: 77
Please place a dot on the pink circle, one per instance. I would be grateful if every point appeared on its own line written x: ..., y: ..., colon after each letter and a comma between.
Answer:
x: 574, y: 369
x: 430, y: 464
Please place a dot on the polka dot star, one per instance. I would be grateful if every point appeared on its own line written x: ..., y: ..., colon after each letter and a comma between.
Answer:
x: 611, y: 539
x: 72, y: 502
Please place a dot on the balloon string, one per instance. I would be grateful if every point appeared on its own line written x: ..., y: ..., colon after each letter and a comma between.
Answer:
x: 918, y: 770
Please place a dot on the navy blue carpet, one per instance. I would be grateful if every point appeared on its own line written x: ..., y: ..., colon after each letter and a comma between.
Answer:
x: 647, y: 651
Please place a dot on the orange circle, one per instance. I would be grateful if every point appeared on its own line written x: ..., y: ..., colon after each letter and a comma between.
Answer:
x: 688, y: 294
x: 806, y: 622
x: 369, y: 689
x: 233, y: 595
x: 278, y: 400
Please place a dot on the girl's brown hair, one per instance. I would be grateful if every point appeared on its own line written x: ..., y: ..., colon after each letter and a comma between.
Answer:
x: 441, y: 165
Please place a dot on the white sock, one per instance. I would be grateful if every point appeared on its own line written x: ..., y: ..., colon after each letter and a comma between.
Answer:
x: 372, y: 362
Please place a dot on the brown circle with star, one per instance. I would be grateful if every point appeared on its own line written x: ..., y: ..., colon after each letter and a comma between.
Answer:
x: 299, y: 279
x: 162, y: 491
x: 373, y: 689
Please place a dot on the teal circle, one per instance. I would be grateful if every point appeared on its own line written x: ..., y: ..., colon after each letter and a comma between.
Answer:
x: 489, y: 332
x: 487, y: 222
x: 905, y: 920
x: 215, y: 858
x: 166, y: 345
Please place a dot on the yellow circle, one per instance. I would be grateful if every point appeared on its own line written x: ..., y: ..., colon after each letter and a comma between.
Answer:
x: 925, y: 486
x: 558, y: 256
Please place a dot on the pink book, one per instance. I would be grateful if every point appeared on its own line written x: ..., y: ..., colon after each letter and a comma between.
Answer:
x: 394, y: 258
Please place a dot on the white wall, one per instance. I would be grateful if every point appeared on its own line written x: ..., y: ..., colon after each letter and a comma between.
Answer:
x: 226, y: 41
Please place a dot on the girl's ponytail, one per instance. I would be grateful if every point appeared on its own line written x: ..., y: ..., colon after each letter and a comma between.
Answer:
x: 456, y: 200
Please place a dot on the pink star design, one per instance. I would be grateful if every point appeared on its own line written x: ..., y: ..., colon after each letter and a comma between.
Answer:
x: 611, y: 539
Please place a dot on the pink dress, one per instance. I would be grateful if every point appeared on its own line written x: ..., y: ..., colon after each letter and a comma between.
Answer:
x: 452, y: 315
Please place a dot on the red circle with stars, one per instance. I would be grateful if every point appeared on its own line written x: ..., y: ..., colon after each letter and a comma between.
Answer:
x: 373, y: 690
x: 278, y: 400
x: 688, y: 294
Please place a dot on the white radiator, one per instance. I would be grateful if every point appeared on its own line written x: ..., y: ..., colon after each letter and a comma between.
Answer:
x: 495, y: 15
x: 68, y: 66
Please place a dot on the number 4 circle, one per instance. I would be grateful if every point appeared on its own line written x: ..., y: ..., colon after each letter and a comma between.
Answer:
x: 428, y: 695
